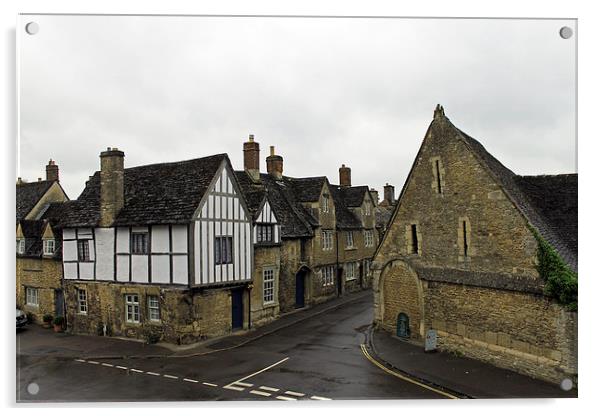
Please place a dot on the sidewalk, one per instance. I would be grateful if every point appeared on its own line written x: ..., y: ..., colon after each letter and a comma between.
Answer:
x: 464, y: 376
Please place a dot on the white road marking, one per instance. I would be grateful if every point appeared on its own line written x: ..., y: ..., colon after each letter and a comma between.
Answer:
x: 135, y: 370
x: 229, y: 387
x: 93, y: 362
x: 260, y: 371
x: 285, y: 398
x: 170, y: 376
x: 320, y: 398
x: 120, y: 367
x: 209, y: 384
x: 294, y: 393
x: 260, y: 393
x: 108, y: 365
x: 80, y: 361
x: 152, y: 374
x: 238, y: 383
x: 191, y: 380
x: 268, y: 388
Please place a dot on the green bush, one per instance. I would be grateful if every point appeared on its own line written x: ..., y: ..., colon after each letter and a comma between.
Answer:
x: 151, y: 337
x: 47, y: 318
x: 560, y: 280
x: 59, y: 320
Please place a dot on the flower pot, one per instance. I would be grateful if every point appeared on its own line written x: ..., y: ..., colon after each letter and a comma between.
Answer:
x: 58, y: 328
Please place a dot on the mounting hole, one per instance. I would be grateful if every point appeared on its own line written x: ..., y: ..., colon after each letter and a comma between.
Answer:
x: 33, y: 388
x: 566, y: 384
x: 566, y: 32
x: 32, y: 28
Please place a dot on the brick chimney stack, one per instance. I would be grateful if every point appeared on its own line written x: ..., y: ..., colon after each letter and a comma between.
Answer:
x: 344, y: 176
x: 274, y: 164
x: 111, y: 185
x: 389, y: 194
x: 52, y: 171
x: 251, y: 157
x: 374, y: 195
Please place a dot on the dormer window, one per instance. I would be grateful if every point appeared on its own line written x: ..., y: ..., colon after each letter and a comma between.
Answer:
x: 265, y: 233
x: 325, y: 203
x: 20, y: 246
x: 349, y: 239
x: 140, y: 243
x: 48, y: 246
x: 367, y: 210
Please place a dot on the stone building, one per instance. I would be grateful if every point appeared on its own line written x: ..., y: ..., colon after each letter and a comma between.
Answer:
x: 38, y: 245
x: 473, y: 251
x: 384, y: 209
x: 161, y: 251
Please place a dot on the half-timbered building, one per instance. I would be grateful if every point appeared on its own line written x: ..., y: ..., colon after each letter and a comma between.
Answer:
x: 162, y: 251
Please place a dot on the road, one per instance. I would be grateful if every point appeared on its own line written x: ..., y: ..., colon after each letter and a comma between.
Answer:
x: 316, y: 359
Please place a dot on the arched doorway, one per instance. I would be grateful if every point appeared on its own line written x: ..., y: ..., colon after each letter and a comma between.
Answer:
x: 403, y: 325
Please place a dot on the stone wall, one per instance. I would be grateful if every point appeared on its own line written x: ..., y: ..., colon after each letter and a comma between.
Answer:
x: 265, y: 257
x: 187, y: 316
x: 43, y: 274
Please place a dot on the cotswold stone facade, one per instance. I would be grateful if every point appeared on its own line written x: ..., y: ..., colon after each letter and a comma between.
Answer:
x: 460, y: 257
x: 44, y: 276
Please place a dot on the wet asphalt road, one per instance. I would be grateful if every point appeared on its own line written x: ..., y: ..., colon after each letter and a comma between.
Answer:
x: 319, y: 358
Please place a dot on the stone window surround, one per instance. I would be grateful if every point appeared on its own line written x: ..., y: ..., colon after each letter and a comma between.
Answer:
x: 325, y: 203
x: 48, y: 245
x: 368, y: 238
x: 154, y: 308
x: 327, y: 273
x: 82, y: 301
x: 409, y: 238
x: 438, y: 182
x: 327, y: 240
x: 349, y: 240
x: 470, y: 250
x: 132, y: 308
x: 350, y: 271
x: 32, y: 296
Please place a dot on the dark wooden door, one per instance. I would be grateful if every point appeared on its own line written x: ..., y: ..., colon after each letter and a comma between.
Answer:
x: 300, y: 290
x: 237, y: 309
x: 59, y: 302
x: 403, y: 325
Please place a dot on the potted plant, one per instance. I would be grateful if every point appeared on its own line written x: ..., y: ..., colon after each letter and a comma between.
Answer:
x: 47, y: 319
x: 58, y: 323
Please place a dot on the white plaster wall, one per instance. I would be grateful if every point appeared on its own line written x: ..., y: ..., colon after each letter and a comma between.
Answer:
x: 180, y: 269
x: 140, y: 268
x: 160, y: 239
x: 105, y: 246
x: 179, y: 238
x: 69, y: 250
x: 86, y: 271
x: 68, y: 233
x: 70, y: 270
x: 123, y: 268
x: 123, y: 240
x: 160, y: 269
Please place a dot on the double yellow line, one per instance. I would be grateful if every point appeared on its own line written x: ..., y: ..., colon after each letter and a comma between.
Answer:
x: 404, y: 378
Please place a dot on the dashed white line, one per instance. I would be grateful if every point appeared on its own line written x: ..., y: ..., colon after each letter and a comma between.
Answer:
x: 320, y: 398
x: 152, y: 374
x: 121, y: 367
x: 170, y: 376
x: 93, y: 362
x: 135, y: 370
x: 294, y: 393
x: 190, y: 380
x: 209, y: 384
x: 80, y: 360
x: 229, y: 387
x: 238, y: 383
x: 268, y: 388
x: 107, y: 365
x: 260, y: 393
x: 285, y: 398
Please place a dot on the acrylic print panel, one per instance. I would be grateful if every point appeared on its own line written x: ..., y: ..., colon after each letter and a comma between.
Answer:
x: 421, y: 177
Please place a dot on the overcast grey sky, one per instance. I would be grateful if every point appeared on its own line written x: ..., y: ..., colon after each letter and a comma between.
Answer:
x: 323, y: 91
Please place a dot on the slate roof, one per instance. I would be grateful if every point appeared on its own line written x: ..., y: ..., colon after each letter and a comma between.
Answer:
x: 28, y: 194
x: 346, y: 219
x: 382, y: 215
x: 162, y: 193
x: 33, y: 231
x: 353, y: 196
x: 528, y: 195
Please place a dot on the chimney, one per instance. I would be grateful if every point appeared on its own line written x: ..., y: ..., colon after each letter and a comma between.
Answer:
x: 344, y: 176
x: 111, y: 185
x: 274, y: 164
x: 20, y: 181
x: 374, y: 195
x: 52, y: 171
x: 389, y: 194
x: 251, y: 157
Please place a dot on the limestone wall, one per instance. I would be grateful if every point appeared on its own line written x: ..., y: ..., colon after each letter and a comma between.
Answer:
x: 43, y: 274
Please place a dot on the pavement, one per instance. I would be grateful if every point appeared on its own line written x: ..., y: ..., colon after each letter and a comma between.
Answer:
x: 462, y: 376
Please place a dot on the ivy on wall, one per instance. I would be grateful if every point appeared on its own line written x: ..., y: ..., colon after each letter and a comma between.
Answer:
x: 560, y: 280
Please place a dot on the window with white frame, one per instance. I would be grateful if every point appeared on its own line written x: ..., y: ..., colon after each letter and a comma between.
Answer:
x: 349, y: 239
x: 82, y: 301
x: 132, y: 309
x: 368, y: 238
x: 327, y: 241
x: 31, y: 296
x: 154, y: 311
x: 140, y: 243
x: 48, y: 246
x: 268, y: 286
x: 350, y: 271
x: 367, y: 208
x: 325, y: 203
x: 328, y: 275
x: 20, y: 245
x: 83, y: 250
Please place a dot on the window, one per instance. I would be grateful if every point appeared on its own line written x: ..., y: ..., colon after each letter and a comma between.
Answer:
x: 414, y: 230
x: 83, y: 250
x: 154, y: 312
x: 132, y: 309
x: 368, y: 238
x: 325, y: 203
x: 327, y: 240
x: 223, y: 250
x: 465, y: 238
x: 268, y: 286
x: 48, y: 247
x: 31, y: 296
x: 350, y: 271
x: 349, y: 239
x: 438, y: 171
x: 139, y: 243
x: 367, y: 209
x: 367, y: 264
x: 20, y: 245
x: 328, y: 275
x: 82, y: 301
x: 265, y: 233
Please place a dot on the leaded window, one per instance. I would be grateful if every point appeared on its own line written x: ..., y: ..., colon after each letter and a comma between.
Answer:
x: 223, y: 250
x: 327, y: 242
x: 140, y: 243
x: 83, y: 250
x: 265, y: 233
x: 154, y: 311
x: 132, y: 309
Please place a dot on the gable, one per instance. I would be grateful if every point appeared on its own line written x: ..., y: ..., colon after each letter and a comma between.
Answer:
x: 224, y: 199
x: 266, y: 215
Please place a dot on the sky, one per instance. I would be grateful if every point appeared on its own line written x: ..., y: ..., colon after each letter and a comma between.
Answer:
x: 324, y: 92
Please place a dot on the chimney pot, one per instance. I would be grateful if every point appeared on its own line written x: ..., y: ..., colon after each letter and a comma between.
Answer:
x: 389, y: 195
x: 52, y: 171
x: 344, y: 176
x: 274, y: 164
x: 111, y: 185
x: 250, y: 151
